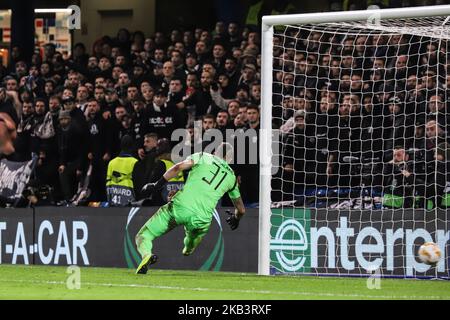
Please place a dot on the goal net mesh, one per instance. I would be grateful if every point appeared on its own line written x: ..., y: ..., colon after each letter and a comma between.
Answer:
x: 362, y: 178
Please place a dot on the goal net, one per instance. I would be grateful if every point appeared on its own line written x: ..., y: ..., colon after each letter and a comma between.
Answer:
x: 360, y: 180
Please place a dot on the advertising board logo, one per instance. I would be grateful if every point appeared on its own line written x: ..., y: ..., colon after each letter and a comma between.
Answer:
x: 212, y: 263
x: 132, y: 257
x: 215, y: 260
x: 290, y: 245
x: 283, y: 242
x: 335, y: 242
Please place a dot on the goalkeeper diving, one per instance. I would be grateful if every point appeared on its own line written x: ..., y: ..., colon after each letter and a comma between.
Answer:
x: 209, y: 179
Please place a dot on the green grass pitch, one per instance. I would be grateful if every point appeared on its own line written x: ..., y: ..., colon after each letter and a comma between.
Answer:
x: 40, y: 282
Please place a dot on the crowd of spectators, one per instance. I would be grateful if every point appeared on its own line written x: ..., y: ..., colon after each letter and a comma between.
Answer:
x: 366, y: 109
x: 75, y: 109
x: 362, y: 108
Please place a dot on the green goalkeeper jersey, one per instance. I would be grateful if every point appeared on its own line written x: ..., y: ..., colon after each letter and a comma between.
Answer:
x: 209, y: 179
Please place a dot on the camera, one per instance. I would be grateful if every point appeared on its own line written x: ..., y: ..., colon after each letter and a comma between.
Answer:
x: 121, y: 91
x: 418, y: 157
x: 364, y: 169
x: 215, y: 86
x: 416, y: 154
x: 36, y: 196
x: 28, y: 192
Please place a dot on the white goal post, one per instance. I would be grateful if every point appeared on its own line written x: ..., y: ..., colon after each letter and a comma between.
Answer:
x: 347, y: 223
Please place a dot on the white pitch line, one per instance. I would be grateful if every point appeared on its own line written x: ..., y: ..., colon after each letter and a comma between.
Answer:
x: 333, y: 295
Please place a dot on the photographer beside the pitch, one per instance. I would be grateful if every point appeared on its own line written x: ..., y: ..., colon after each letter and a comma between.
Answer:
x: 436, y: 192
x: 399, y: 180
x: 434, y: 137
x: 301, y: 161
x: 443, y: 175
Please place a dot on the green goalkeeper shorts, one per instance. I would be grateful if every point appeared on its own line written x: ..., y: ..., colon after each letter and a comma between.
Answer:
x: 170, y: 216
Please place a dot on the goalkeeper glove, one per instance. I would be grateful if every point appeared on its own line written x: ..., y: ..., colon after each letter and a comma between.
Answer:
x: 150, y: 188
x: 232, y: 220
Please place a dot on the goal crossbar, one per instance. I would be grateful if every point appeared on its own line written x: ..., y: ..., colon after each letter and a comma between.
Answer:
x: 268, y: 23
x: 357, y: 15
